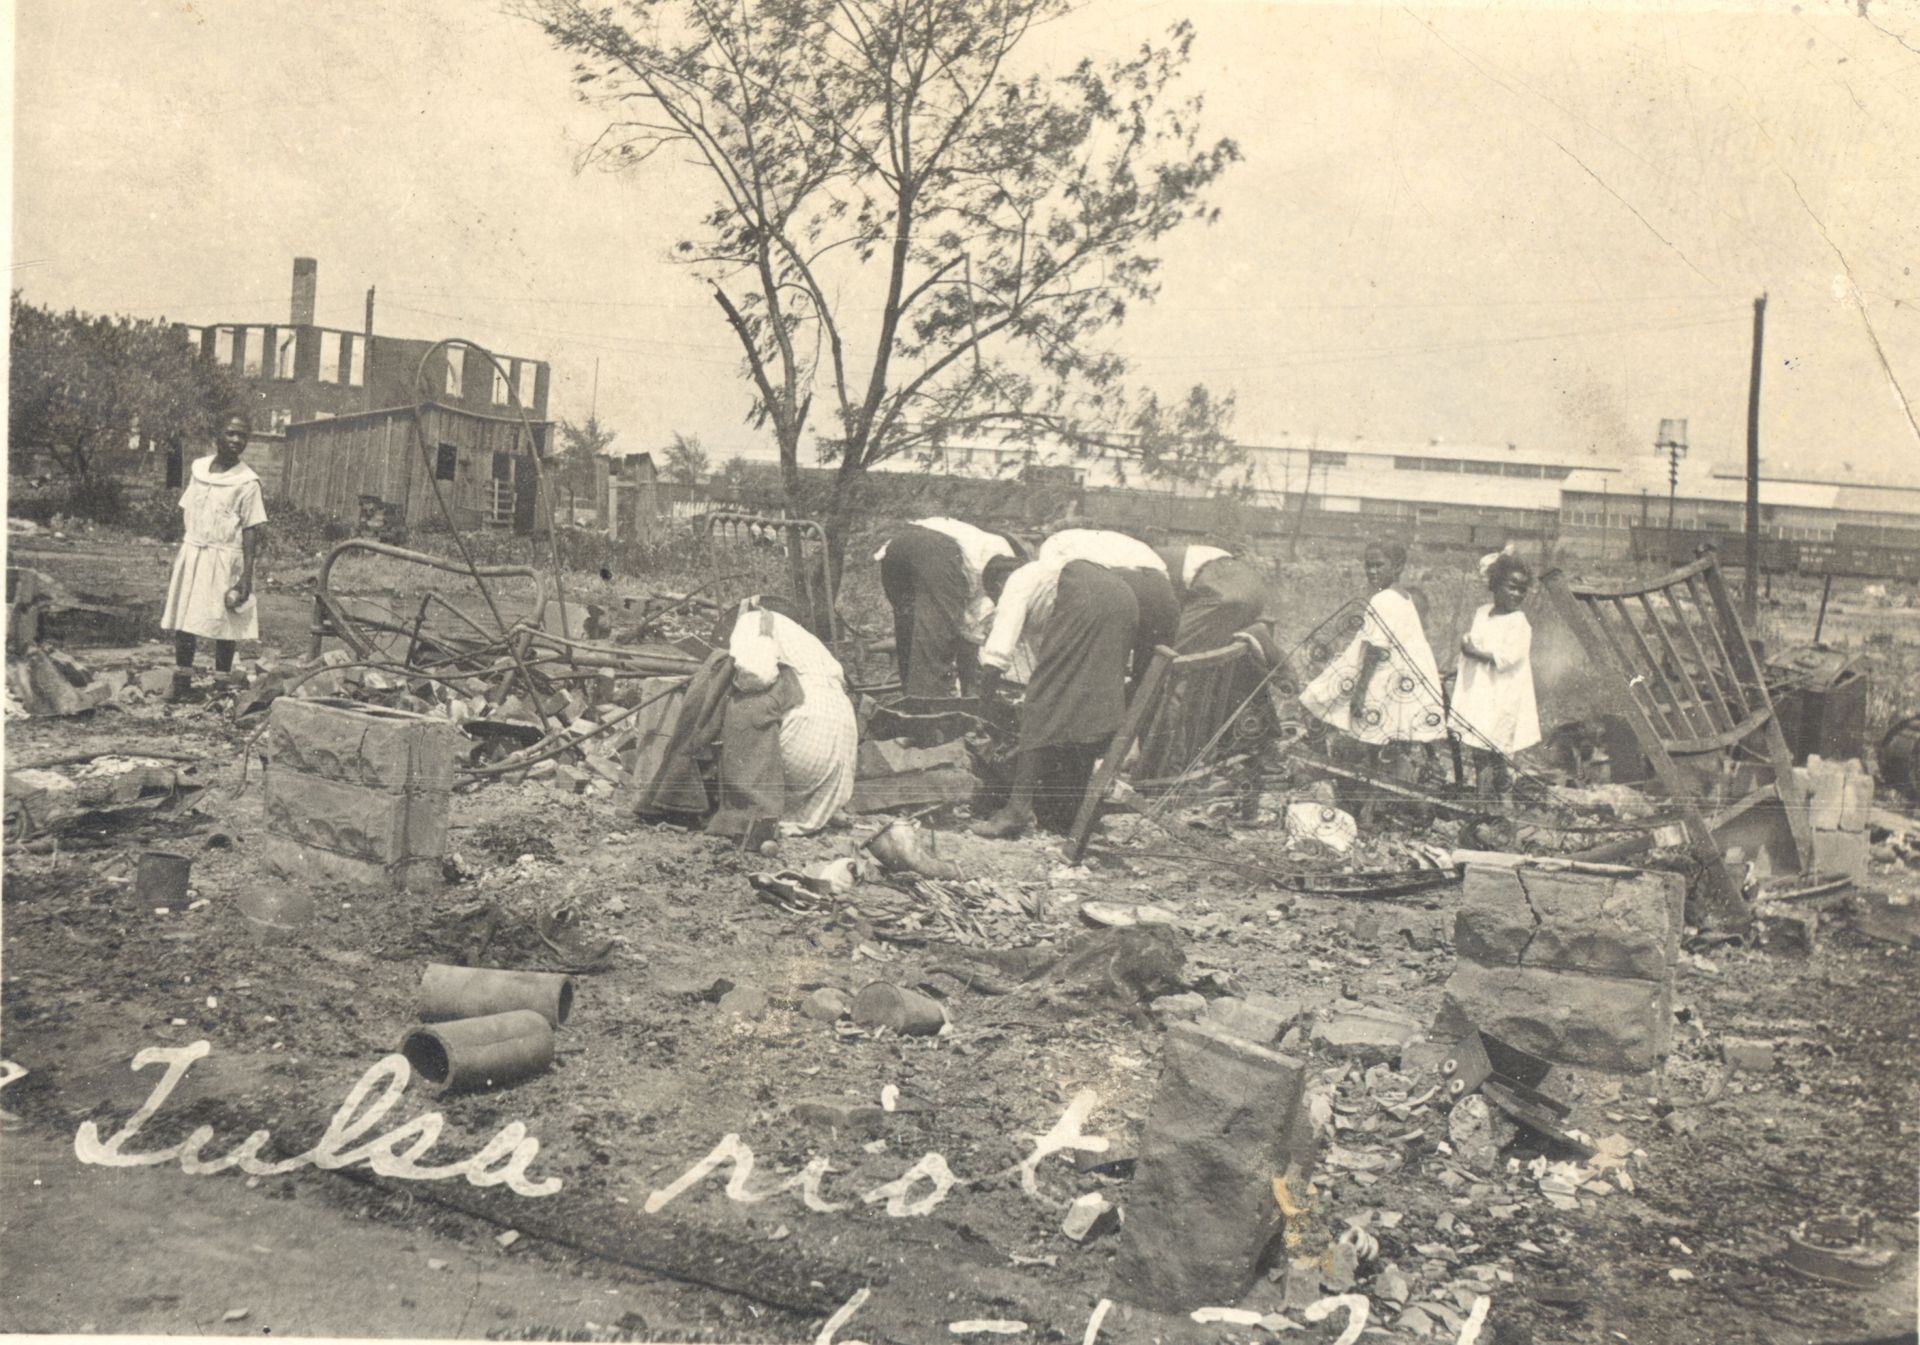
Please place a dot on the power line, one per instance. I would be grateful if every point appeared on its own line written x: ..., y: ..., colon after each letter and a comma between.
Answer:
x: 651, y: 347
x: 1311, y: 358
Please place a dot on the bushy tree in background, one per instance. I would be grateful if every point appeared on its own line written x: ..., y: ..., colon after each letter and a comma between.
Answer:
x: 81, y: 385
x: 905, y: 232
x: 687, y: 461
x: 580, y: 445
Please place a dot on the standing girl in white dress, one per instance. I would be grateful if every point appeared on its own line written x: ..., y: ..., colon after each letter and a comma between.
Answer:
x: 1494, y: 709
x: 211, y: 592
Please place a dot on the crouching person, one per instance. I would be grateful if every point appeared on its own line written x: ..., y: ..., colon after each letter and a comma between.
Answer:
x: 766, y: 731
x: 1078, y: 621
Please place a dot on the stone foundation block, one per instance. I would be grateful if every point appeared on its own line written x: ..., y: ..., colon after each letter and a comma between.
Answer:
x: 1522, y: 916
x: 1260, y: 1019
x: 309, y: 864
x: 1842, y: 852
x: 359, y: 823
x: 1603, y: 1022
x: 1225, y: 1123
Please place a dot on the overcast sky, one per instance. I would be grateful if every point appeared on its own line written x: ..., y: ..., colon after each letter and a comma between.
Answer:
x: 1536, y: 223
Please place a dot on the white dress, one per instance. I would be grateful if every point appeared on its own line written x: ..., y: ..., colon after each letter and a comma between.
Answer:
x: 820, y: 738
x: 218, y: 508
x: 1402, y: 703
x: 1494, y: 704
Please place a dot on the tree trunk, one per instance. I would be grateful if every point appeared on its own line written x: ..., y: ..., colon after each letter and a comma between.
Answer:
x: 839, y: 519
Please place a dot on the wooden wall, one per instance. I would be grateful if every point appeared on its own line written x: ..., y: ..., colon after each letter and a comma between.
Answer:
x: 331, y: 464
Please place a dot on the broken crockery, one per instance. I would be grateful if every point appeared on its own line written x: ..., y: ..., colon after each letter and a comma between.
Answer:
x: 834, y: 878
x: 1838, y: 1249
x: 905, y: 845
x: 447, y: 993
x: 907, y: 1012
x: 501, y: 1048
x: 274, y: 916
x: 1125, y: 914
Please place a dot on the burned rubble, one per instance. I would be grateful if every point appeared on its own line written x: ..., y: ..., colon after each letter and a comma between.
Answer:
x: 1225, y: 1063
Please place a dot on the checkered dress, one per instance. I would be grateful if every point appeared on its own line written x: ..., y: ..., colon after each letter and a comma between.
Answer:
x: 819, y: 739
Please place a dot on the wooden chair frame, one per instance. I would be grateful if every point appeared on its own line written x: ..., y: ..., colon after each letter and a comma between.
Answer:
x: 1180, y: 704
x: 1675, y: 658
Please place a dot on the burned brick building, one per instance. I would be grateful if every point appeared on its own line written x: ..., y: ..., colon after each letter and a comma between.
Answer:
x: 302, y: 375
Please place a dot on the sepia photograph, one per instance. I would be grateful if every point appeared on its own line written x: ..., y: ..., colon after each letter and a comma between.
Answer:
x: 876, y: 672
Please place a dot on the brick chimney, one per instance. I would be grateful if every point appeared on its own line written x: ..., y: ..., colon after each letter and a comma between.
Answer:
x: 306, y: 280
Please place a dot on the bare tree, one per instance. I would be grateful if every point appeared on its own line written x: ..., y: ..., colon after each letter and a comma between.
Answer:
x: 905, y: 229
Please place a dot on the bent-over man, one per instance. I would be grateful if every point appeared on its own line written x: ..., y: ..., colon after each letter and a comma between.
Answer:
x: 1140, y: 567
x: 933, y: 576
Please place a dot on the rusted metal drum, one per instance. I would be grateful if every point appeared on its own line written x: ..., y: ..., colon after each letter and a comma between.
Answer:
x: 1900, y: 757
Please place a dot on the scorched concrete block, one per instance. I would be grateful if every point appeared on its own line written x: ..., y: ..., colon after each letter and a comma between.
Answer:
x: 1604, y: 1022
x: 881, y: 756
x: 305, y: 863
x: 1842, y: 852
x: 354, y: 821
x: 1363, y: 1032
x: 1603, y: 924
x: 856, y: 1118
x: 358, y: 744
x: 1225, y: 1124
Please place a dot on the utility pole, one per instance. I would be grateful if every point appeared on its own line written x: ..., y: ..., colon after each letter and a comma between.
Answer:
x: 593, y: 405
x: 1750, y: 596
x: 1673, y: 438
x: 1300, y: 520
x: 366, y: 352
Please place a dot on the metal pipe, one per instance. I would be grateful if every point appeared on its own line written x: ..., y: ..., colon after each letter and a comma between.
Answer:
x: 448, y: 992
x: 489, y: 1052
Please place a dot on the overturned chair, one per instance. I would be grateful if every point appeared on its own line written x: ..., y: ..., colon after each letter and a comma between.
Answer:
x: 1673, y: 657
x: 1188, y: 711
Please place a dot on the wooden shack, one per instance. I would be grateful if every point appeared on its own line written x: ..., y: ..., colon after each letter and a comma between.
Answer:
x: 482, y: 464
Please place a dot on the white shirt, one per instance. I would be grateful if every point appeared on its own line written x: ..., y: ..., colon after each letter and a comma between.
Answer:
x: 1115, y: 550
x: 763, y: 642
x: 1026, y: 604
x: 977, y: 547
x: 1198, y: 556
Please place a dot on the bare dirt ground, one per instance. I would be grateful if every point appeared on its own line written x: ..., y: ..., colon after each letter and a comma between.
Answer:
x: 652, y: 1074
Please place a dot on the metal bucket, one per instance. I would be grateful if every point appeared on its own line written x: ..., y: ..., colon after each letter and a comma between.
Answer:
x: 161, y: 878
x: 1900, y: 757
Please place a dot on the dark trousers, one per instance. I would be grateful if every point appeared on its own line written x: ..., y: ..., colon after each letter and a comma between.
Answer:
x: 925, y: 579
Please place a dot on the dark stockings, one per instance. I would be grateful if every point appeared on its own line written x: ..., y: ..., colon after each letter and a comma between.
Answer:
x: 184, y: 645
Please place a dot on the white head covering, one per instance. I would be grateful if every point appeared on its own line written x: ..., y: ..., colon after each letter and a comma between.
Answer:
x: 1486, y: 561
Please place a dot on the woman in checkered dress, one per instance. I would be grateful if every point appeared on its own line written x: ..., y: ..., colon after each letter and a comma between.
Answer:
x: 819, y: 736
